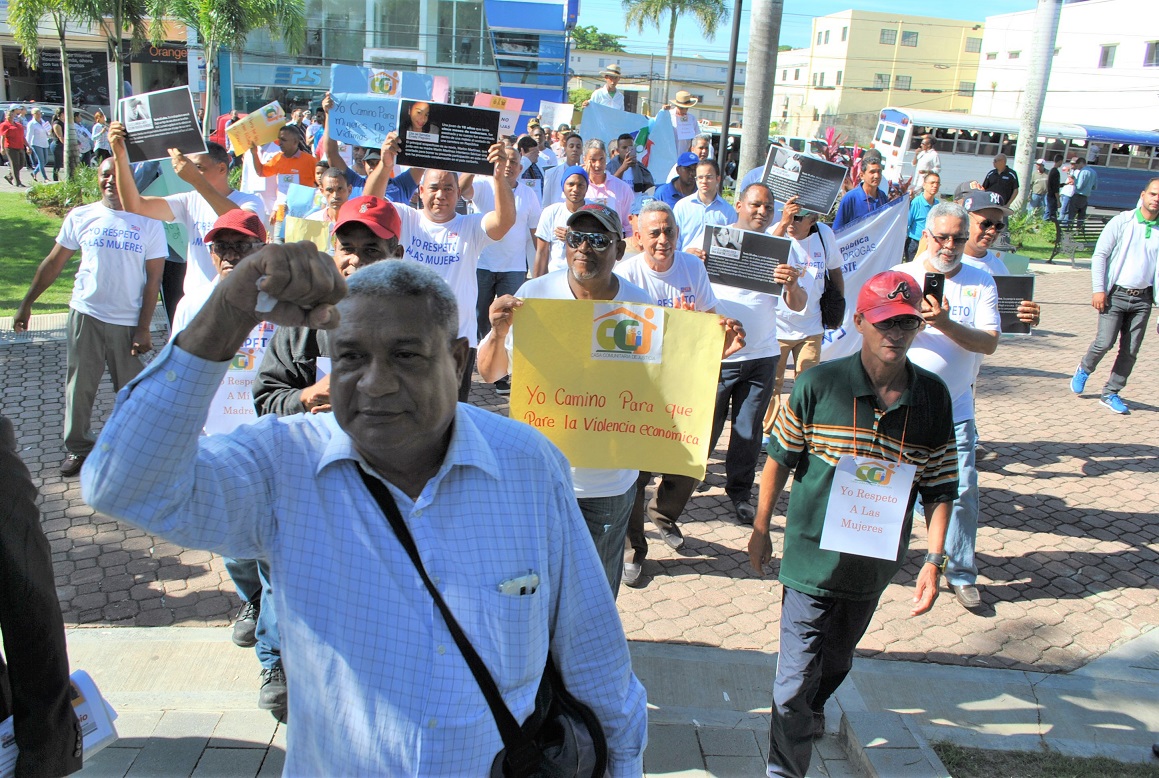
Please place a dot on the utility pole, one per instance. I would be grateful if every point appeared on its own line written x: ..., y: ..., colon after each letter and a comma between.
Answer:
x: 1046, y: 19
x: 722, y: 157
x: 764, y: 37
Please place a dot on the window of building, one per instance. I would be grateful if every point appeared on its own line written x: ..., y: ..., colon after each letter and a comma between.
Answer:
x: 826, y: 36
x: 820, y: 79
x: 1014, y: 55
x: 814, y: 79
x: 844, y: 33
x: 991, y: 55
x: 1057, y: 50
x: 966, y: 88
x: 796, y: 74
x: 839, y: 74
x: 973, y: 45
x: 909, y: 39
x: 736, y: 102
x: 1151, y: 58
x: 904, y: 83
x: 1107, y: 55
x: 816, y: 115
x: 818, y: 37
x: 880, y: 80
x: 603, y: 63
x: 785, y: 75
x: 888, y: 36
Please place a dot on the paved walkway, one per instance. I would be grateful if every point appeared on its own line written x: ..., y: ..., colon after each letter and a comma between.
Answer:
x: 1068, y: 547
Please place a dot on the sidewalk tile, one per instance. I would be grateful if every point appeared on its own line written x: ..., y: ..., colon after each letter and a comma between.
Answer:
x: 274, y: 762
x: 134, y: 727
x: 186, y: 724
x: 735, y: 766
x: 673, y: 748
x: 229, y: 763
x: 111, y: 762
x: 164, y: 757
x: 715, y: 741
x: 244, y: 729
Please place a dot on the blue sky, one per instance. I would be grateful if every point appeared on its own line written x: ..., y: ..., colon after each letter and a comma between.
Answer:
x: 608, y: 15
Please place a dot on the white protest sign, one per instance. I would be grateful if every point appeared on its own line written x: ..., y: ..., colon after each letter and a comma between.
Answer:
x: 867, y: 507
x: 551, y: 115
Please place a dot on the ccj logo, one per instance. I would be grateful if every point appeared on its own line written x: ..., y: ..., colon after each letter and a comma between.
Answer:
x: 622, y: 331
x: 877, y: 475
x: 385, y: 82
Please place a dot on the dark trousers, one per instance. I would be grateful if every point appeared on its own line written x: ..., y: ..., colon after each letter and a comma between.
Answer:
x: 491, y: 286
x: 663, y: 509
x: 818, y: 636
x: 1051, y: 207
x: 1125, y: 321
x: 911, y: 248
x: 1078, y: 207
x: 745, y: 387
x: 16, y: 160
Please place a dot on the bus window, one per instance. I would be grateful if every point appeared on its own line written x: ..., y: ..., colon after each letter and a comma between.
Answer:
x: 1009, y: 144
x: 988, y: 144
x: 880, y: 130
x: 967, y: 142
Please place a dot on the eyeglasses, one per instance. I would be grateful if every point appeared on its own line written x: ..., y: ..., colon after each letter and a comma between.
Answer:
x: 986, y: 224
x: 597, y: 240
x: 239, y: 248
x: 950, y: 240
x: 803, y: 215
x: 904, y: 323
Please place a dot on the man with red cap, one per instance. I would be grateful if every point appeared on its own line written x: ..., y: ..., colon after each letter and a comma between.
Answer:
x: 295, y: 373
x: 864, y: 437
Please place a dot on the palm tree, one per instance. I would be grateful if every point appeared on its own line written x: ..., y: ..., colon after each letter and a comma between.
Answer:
x: 24, y: 17
x: 223, y: 24
x: 707, y: 13
x: 115, y: 18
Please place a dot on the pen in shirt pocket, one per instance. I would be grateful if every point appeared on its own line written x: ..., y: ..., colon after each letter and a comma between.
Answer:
x: 524, y: 584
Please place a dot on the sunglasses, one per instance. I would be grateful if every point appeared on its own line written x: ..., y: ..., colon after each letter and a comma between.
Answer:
x: 949, y: 240
x: 904, y: 323
x: 597, y: 240
x: 803, y: 215
x: 986, y: 224
x: 241, y: 247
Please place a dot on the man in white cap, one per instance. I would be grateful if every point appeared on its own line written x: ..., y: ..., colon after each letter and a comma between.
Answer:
x: 608, y: 94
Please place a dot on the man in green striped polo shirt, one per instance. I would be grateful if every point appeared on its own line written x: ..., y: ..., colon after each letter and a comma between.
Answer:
x: 863, y: 437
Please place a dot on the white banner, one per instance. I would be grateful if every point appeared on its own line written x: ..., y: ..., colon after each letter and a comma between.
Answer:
x: 868, y: 246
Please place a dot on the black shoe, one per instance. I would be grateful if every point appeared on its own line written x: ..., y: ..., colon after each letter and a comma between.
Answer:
x: 967, y: 595
x: 673, y: 537
x: 703, y: 486
x: 503, y: 386
x: 272, y: 696
x: 245, y: 626
x: 818, y: 725
x: 72, y: 464
x: 745, y: 512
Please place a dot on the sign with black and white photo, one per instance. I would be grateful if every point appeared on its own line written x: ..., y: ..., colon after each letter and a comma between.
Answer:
x: 744, y: 259
x: 1012, y: 290
x: 446, y: 137
x: 159, y: 121
x: 815, y: 182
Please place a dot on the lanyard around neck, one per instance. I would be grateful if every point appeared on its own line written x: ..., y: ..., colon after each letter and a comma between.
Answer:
x: 880, y: 446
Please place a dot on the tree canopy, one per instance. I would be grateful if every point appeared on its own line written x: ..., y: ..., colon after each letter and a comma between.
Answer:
x: 593, y: 40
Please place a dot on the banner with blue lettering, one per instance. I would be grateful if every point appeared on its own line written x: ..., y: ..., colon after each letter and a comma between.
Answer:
x: 381, y: 81
x: 868, y: 246
x: 363, y: 119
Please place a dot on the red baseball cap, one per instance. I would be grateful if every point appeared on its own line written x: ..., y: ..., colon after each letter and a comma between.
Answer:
x: 238, y: 220
x: 889, y: 294
x: 379, y: 216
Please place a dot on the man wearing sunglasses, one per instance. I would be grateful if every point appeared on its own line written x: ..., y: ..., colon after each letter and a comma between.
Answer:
x: 988, y: 217
x: 594, y: 241
x: 963, y: 326
x: 878, y: 407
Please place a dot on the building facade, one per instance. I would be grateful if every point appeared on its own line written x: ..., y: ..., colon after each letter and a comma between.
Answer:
x: 858, y: 62
x: 1105, y: 69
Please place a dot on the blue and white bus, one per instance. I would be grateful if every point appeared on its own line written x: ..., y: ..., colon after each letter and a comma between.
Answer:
x: 967, y: 144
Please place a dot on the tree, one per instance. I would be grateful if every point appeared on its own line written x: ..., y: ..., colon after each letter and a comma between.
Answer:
x: 24, y: 18
x: 591, y: 39
x: 764, y: 34
x: 115, y: 18
x: 224, y: 24
x: 651, y: 13
x: 578, y: 97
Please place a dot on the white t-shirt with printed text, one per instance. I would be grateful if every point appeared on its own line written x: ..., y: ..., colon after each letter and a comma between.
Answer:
x: 198, y: 216
x: 509, y: 254
x: 686, y: 281
x: 114, y: 247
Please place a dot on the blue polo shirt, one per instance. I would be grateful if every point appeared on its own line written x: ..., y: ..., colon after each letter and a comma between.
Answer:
x: 856, y: 204
x: 399, y: 189
x: 919, y: 209
x: 692, y: 216
x: 667, y: 193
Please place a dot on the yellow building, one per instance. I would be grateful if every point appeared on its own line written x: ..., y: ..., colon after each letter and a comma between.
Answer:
x: 859, y: 62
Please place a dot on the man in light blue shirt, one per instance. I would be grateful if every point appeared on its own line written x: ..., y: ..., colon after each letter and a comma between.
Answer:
x: 376, y: 683
x: 705, y: 207
x: 1085, y: 182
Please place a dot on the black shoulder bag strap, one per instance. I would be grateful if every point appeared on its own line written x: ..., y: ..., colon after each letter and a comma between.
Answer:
x: 522, y: 754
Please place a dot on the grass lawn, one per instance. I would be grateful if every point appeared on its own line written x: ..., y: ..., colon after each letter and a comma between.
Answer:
x: 977, y: 763
x: 27, y: 236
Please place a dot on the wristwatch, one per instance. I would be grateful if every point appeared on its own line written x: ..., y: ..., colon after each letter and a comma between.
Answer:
x: 938, y: 561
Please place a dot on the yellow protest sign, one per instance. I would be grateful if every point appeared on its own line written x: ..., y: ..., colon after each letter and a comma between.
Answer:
x: 256, y: 129
x: 618, y: 385
x: 316, y: 232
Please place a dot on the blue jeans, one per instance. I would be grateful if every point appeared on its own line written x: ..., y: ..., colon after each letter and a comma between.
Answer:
x: 252, y: 579
x: 607, y: 520
x: 491, y: 286
x: 747, y: 387
x: 1037, y: 201
x: 1126, y: 322
x: 1064, y: 214
x: 818, y: 637
x: 962, y: 531
x: 1051, y: 207
x: 39, y: 158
